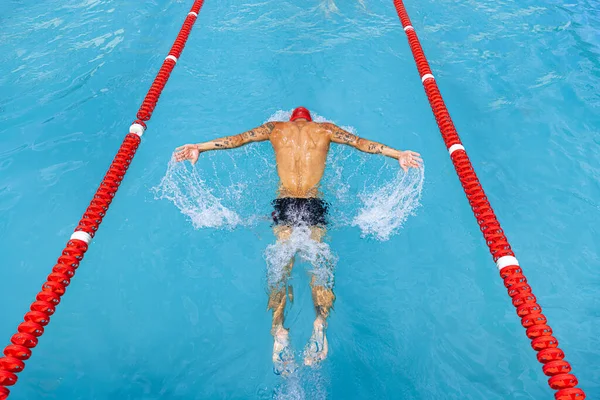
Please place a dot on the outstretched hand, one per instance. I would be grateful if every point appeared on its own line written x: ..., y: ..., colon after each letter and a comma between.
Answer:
x: 187, y: 152
x: 409, y: 159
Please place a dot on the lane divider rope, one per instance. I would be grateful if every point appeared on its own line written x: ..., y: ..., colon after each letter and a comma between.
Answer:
x: 523, y: 299
x: 49, y: 297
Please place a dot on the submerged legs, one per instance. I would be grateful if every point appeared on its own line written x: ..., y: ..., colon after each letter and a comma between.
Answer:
x: 322, y: 295
x: 283, y: 357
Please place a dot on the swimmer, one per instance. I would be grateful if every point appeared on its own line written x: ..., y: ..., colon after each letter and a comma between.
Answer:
x: 301, y: 148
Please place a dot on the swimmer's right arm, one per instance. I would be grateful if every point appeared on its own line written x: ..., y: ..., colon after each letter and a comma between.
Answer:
x: 407, y: 158
x: 192, y: 151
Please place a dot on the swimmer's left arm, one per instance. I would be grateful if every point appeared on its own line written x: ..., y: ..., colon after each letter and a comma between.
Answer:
x: 406, y: 158
x: 192, y: 151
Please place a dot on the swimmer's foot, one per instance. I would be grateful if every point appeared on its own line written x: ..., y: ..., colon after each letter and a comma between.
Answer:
x: 283, y: 357
x: 317, y: 347
x: 290, y: 292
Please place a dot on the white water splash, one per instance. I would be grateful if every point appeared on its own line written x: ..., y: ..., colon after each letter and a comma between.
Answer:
x: 307, y: 383
x: 300, y: 244
x: 386, y: 209
x: 189, y: 192
x: 290, y: 389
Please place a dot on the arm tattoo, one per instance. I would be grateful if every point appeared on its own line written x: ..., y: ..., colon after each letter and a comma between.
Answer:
x: 231, y: 142
x: 223, y: 143
x: 341, y: 136
x: 375, y: 148
x: 345, y: 137
x: 260, y: 132
x: 263, y: 130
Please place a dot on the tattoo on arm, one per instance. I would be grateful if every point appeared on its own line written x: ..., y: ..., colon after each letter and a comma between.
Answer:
x: 253, y: 135
x: 223, y: 143
x: 372, y: 147
x: 341, y: 136
x: 260, y: 133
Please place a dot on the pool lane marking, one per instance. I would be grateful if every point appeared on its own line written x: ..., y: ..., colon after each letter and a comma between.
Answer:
x: 26, y: 338
x: 519, y: 290
x: 427, y: 76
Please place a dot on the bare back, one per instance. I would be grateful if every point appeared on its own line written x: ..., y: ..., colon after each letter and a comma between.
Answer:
x: 300, y: 151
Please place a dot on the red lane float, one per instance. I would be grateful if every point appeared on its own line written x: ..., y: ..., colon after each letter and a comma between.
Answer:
x: 49, y: 297
x: 519, y: 290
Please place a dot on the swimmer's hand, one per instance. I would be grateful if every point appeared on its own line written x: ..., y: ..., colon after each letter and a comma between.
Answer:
x: 409, y: 159
x: 187, y: 152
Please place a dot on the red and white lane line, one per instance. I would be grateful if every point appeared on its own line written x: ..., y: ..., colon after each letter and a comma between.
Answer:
x: 49, y: 297
x: 523, y: 299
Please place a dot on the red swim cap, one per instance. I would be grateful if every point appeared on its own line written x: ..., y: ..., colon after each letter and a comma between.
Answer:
x: 300, y: 112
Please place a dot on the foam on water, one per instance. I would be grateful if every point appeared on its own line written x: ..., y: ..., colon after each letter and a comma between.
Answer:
x: 183, y: 186
x: 300, y: 244
x: 385, y: 210
x: 222, y: 195
x: 305, y: 383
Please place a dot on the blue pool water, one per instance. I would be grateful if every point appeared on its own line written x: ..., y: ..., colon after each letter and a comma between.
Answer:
x: 161, y: 309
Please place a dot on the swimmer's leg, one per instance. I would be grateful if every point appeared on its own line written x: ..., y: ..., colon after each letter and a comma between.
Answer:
x: 323, y: 299
x: 283, y: 357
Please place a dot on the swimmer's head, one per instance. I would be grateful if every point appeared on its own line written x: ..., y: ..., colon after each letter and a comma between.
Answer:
x: 300, y: 113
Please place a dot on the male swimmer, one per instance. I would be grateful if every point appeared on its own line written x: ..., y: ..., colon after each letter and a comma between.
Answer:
x: 301, y: 148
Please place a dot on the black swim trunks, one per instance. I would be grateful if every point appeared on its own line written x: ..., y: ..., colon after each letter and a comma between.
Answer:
x: 296, y: 211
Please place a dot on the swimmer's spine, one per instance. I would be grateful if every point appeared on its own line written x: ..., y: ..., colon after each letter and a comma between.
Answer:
x: 523, y: 299
x: 49, y: 297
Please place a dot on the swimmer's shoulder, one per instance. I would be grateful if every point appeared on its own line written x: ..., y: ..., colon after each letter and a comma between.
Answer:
x: 310, y: 126
x: 327, y: 127
x: 276, y: 125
